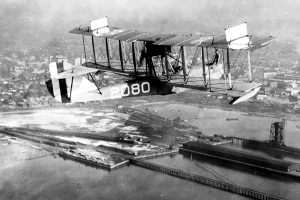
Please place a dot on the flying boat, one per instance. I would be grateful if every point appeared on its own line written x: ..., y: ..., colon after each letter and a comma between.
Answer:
x: 155, y: 68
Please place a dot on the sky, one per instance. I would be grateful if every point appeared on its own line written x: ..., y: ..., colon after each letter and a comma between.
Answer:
x: 25, y: 21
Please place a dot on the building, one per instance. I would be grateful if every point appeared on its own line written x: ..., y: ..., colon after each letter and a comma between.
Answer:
x: 58, y: 58
x: 77, y: 61
x: 269, y: 75
x: 62, y: 59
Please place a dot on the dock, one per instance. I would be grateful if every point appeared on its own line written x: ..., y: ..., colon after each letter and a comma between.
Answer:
x: 265, y: 145
x: 127, y: 159
x: 239, y: 157
x: 93, y: 162
x: 157, y: 155
x: 225, y: 186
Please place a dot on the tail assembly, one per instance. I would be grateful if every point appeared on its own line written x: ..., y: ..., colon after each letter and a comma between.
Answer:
x: 58, y: 88
x: 65, y: 78
x: 68, y: 86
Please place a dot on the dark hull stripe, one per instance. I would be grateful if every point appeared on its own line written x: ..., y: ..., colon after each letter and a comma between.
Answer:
x: 63, y: 91
x: 50, y: 87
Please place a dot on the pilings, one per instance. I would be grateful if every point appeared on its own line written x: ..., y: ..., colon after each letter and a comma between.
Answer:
x: 205, y: 181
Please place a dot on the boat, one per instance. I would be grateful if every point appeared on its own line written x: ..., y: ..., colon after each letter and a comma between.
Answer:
x: 232, y: 119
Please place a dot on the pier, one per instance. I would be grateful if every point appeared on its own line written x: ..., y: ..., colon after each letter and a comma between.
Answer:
x: 92, y: 162
x: 239, y: 157
x: 157, y: 155
x: 220, y: 183
x: 265, y: 145
x: 225, y: 186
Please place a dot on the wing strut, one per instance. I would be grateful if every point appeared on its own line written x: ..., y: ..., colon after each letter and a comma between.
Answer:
x: 249, y: 67
x: 228, y: 70
x: 223, y: 62
x: 95, y: 83
x: 71, y: 88
x: 121, y: 55
x: 133, y: 57
x: 183, y: 63
x: 107, y: 52
x: 167, y: 64
x: 224, y: 68
x: 203, y: 67
x: 93, y: 44
x: 208, y: 67
x: 84, y: 50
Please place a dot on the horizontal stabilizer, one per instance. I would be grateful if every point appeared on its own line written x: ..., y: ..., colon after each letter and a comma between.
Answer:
x: 84, y: 87
x: 74, y: 71
x: 64, y: 79
x: 56, y: 68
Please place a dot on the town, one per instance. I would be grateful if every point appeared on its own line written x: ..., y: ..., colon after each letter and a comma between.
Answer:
x: 23, y: 72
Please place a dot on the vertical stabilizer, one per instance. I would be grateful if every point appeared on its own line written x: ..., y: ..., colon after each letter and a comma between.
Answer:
x: 58, y: 88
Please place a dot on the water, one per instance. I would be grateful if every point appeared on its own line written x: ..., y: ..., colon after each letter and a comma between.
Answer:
x: 55, y: 178
x: 213, y: 121
x: 277, y: 185
x: 209, y: 121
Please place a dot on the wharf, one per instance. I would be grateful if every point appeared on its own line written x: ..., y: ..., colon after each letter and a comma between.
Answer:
x: 239, y: 157
x: 157, y: 155
x: 92, y: 162
x: 37, y: 131
x: 265, y: 145
x: 205, y: 181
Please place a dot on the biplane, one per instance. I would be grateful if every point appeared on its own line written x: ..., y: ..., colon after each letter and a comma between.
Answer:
x: 68, y: 84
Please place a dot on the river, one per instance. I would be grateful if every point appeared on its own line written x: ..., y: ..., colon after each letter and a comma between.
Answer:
x: 56, y: 178
x: 23, y: 177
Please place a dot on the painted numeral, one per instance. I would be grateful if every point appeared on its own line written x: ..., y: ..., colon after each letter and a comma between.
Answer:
x: 115, y: 93
x: 125, y: 90
x: 135, y: 89
x: 145, y: 87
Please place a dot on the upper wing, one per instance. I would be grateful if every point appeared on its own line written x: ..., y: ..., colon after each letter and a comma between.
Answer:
x: 234, y: 38
x: 100, y: 28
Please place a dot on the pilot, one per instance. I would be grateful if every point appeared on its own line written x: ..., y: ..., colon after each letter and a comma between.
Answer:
x: 216, y: 58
